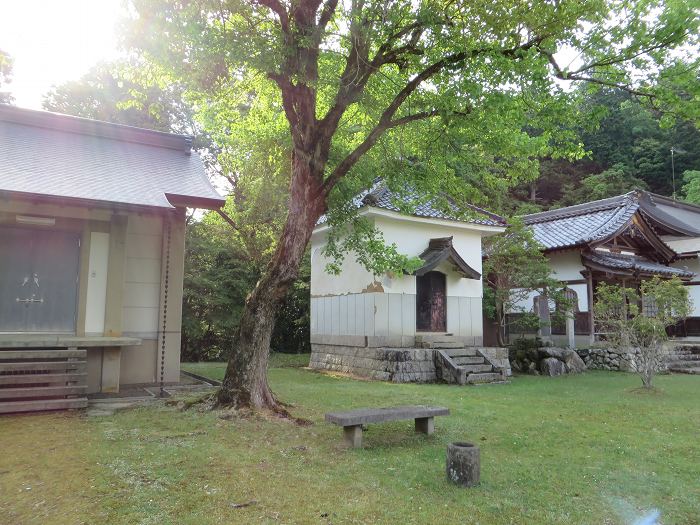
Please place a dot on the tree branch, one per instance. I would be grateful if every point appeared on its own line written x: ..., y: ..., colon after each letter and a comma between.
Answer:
x: 563, y: 75
x: 276, y: 7
x: 386, y: 121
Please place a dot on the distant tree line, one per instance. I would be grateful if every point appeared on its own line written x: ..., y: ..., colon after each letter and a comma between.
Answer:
x: 631, y: 148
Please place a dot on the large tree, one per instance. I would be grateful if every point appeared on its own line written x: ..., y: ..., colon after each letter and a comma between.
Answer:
x: 405, y: 87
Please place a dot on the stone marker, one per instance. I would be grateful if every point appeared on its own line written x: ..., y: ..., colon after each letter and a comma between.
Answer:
x: 463, y: 464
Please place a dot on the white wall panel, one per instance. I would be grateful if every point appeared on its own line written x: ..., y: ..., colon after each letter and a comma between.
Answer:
x: 97, y: 284
x: 395, y: 314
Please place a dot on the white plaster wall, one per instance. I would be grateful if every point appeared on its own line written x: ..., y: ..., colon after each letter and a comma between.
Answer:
x: 566, y: 266
x: 353, y: 277
x: 142, y: 276
x: 358, y: 303
x: 411, y: 238
x: 694, y: 290
x: 97, y: 284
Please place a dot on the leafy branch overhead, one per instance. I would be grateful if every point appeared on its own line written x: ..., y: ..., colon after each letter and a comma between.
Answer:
x: 405, y: 90
x: 349, y: 72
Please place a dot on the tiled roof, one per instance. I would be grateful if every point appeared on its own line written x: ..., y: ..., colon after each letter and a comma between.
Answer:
x: 440, y: 250
x: 573, y: 229
x: 64, y: 157
x: 592, y: 221
x: 634, y: 263
x: 380, y: 196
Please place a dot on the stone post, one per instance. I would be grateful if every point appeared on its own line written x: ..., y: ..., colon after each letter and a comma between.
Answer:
x: 463, y: 464
x: 541, y: 303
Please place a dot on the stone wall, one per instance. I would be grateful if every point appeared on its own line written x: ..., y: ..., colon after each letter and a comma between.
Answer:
x: 607, y: 359
x: 400, y: 365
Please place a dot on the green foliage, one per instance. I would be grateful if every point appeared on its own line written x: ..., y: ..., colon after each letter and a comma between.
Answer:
x: 525, y: 349
x: 5, y: 76
x: 219, y: 274
x: 614, y: 181
x: 493, y: 100
x: 691, y: 188
x: 124, y: 93
x: 630, y: 148
x: 637, y: 320
x: 514, y: 268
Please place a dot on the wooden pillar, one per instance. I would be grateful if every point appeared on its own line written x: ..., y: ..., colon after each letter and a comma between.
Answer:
x: 116, y: 269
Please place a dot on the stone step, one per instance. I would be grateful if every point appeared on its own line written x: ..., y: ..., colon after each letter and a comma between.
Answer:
x: 685, y: 357
x: 477, y: 369
x: 435, y: 338
x: 484, y: 378
x: 464, y: 360
x: 461, y: 352
x: 443, y: 344
x: 690, y: 348
x: 685, y: 370
x: 685, y: 364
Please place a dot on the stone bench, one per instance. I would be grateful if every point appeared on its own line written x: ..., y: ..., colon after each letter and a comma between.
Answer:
x: 353, y: 420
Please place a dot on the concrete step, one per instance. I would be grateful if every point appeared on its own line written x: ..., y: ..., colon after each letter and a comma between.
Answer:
x: 477, y: 369
x: 442, y: 344
x: 435, y: 338
x: 463, y: 360
x: 685, y: 370
x: 461, y: 352
x: 484, y: 378
x: 685, y: 357
x: 691, y: 348
x: 8, y: 407
x: 685, y: 364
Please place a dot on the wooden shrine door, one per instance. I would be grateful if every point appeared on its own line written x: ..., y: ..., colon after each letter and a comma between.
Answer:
x: 431, y: 302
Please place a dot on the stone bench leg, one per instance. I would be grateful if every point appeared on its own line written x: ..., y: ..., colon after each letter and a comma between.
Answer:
x: 425, y: 425
x: 353, y: 435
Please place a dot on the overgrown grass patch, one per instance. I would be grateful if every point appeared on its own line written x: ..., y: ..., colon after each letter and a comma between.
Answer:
x: 567, y: 450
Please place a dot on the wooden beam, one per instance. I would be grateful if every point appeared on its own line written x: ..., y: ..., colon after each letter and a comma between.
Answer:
x: 42, y: 391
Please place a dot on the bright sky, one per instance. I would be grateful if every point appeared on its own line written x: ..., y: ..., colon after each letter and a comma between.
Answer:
x: 52, y: 41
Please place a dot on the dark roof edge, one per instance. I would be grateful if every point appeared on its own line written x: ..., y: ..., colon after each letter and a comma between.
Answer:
x: 189, y: 201
x: 58, y: 200
x: 97, y: 128
x: 440, y: 250
x: 670, y: 201
x: 576, y: 209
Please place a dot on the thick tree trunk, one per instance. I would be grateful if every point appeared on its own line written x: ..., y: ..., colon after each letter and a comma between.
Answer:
x: 500, y: 326
x: 245, y: 383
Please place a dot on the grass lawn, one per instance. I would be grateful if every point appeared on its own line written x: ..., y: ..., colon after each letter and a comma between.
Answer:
x: 570, y: 450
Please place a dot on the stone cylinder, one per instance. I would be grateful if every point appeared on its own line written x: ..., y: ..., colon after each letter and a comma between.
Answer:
x: 463, y: 464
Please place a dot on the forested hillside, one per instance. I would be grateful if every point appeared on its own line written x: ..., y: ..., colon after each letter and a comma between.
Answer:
x: 630, y: 149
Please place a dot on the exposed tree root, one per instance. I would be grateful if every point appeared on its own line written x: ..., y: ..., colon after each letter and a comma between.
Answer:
x: 272, y: 406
